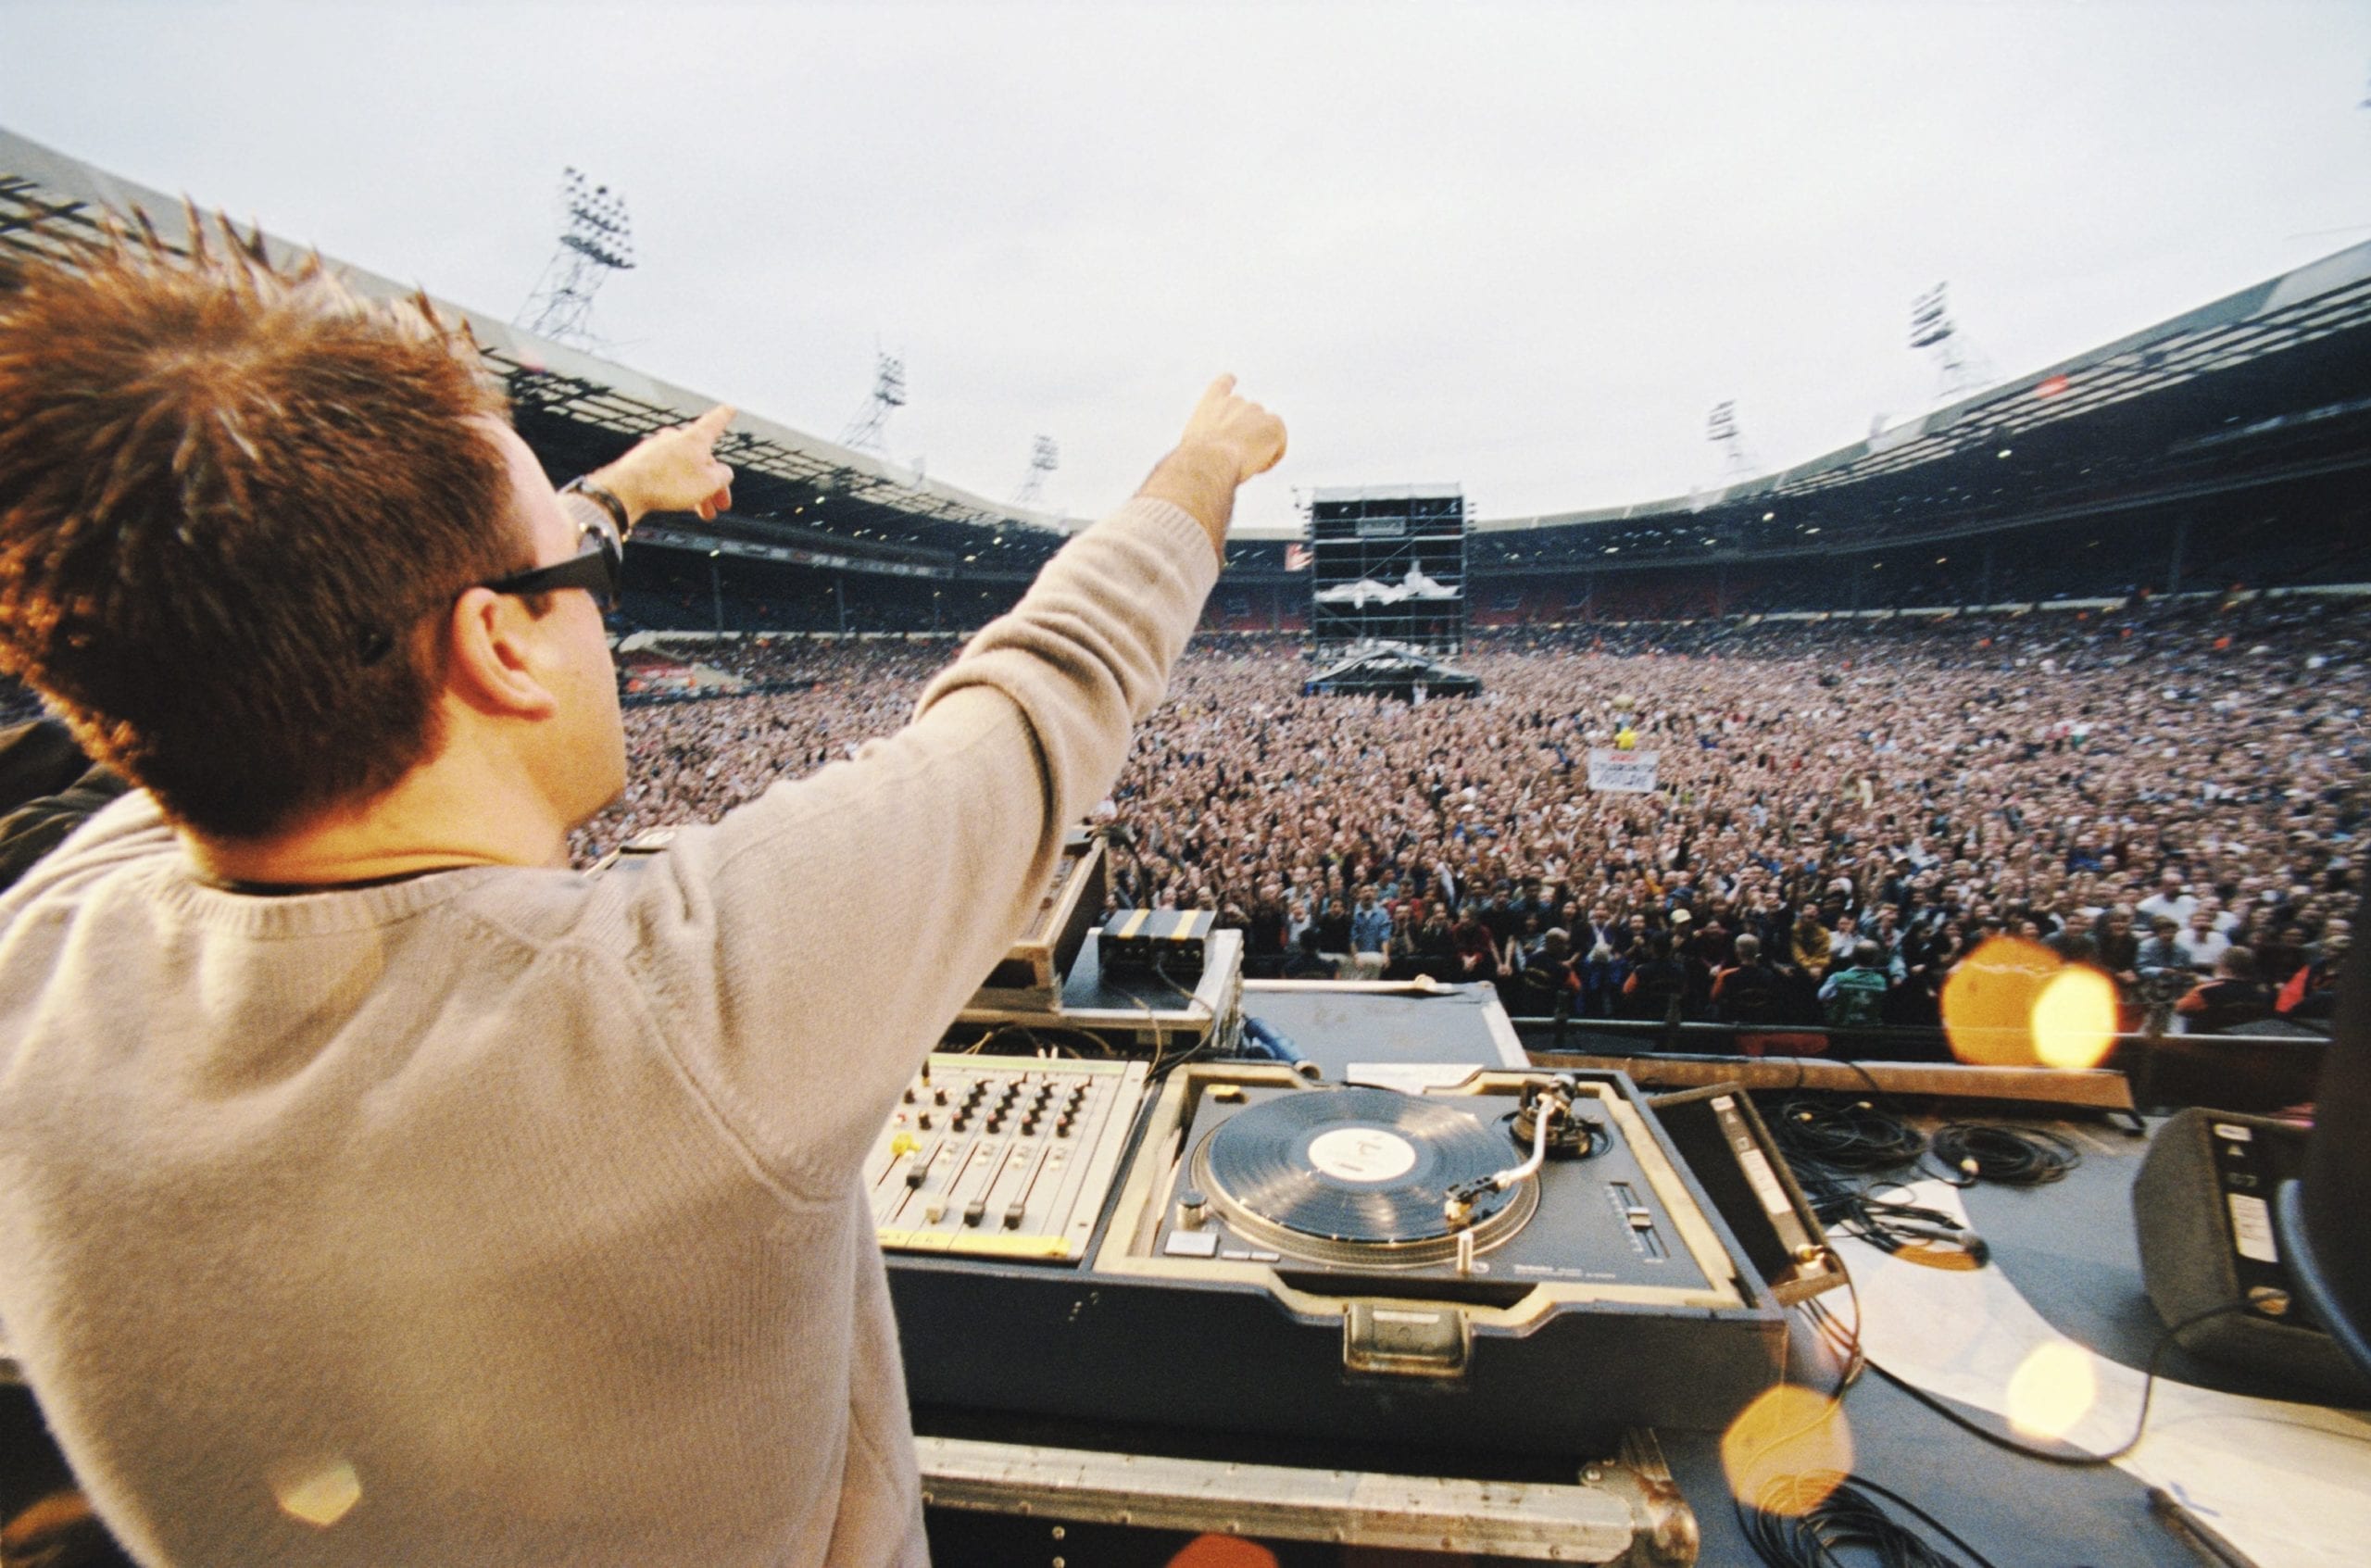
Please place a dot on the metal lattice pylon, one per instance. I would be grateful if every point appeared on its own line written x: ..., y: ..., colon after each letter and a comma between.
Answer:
x: 1044, y: 458
x: 597, y: 240
x: 1721, y: 429
x: 888, y: 395
x: 1960, y: 367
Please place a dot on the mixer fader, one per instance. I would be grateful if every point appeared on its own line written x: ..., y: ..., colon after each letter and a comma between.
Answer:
x: 1009, y: 1156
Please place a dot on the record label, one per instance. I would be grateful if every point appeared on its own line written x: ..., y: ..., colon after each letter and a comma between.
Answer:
x: 1362, y: 1154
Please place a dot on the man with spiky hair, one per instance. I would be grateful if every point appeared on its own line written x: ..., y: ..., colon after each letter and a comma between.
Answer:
x: 374, y: 1188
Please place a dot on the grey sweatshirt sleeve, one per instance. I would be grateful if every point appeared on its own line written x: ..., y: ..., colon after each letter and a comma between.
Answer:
x: 806, y: 952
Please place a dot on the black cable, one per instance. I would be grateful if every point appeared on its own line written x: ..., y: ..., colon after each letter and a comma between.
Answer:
x: 1841, y: 1340
x: 1864, y: 1483
x: 1164, y: 1063
x: 1785, y: 1533
x: 1037, y: 1047
x: 1843, y: 1133
x: 2066, y: 1454
x: 2017, y: 1157
x: 1855, y: 1208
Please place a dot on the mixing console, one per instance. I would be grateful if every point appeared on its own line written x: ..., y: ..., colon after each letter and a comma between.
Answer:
x: 1009, y: 1157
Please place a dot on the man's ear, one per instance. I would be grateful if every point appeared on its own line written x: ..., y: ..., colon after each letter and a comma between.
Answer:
x: 492, y: 660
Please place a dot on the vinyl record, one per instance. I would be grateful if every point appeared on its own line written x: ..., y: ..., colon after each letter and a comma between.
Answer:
x: 1359, y: 1175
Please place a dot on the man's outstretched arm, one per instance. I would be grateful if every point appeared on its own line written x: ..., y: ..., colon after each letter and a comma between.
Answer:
x: 1227, y: 441
x: 820, y: 939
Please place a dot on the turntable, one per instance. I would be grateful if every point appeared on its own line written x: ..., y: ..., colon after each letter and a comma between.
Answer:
x: 1356, y: 1176
x: 1517, y: 1263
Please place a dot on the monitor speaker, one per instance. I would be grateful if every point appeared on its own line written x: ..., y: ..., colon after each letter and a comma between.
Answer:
x: 2203, y: 1207
x: 2320, y: 1218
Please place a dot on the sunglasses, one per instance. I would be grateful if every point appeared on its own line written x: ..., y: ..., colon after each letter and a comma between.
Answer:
x: 594, y: 568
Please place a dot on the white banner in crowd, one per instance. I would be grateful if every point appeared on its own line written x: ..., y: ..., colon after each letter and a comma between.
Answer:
x: 1623, y: 772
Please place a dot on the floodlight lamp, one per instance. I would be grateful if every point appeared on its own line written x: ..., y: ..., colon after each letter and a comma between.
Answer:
x: 1770, y: 516
x: 2003, y: 452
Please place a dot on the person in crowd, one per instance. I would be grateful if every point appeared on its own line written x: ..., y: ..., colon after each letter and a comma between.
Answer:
x: 2171, y: 901
x: 2201, y: 944
x: 2163, y: 950
x: 1853, y: 996
x: 1551, y: 980
x: 2281, y: 956
x: 1658, y: 983
x: 374, y: 1187
x: 1603, y: 974
x: 1432, y: 951
x: 1371, y: 937
x: 1305, y: 962
x: 2312, y: 992
x: 1334, y: 929
x: 2118, y: 949
x: 2233, y: 999
x: 1749, y: 990
x: 1521, y: 946
x: 1477, y: 954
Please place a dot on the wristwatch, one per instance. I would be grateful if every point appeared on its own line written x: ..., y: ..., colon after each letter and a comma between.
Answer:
x: 601, y: 496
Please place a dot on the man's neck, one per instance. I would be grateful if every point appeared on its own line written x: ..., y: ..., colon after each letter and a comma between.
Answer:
x: 439, y: 816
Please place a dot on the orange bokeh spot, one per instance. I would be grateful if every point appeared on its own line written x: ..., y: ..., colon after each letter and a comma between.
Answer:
x: 1786, y: 1450
x: 1988, y: 1002
x: 2016, y: 1003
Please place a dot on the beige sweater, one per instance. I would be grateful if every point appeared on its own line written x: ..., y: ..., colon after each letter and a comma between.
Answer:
x: 509, y: 1216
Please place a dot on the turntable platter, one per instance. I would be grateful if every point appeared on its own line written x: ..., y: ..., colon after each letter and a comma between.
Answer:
x: 1359, y: 1175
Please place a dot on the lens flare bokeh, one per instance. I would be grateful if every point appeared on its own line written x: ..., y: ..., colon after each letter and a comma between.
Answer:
x: 1785, y: 1451
x: 320, y: 1491
x: 2052, y: 1388
x: 2014, y: 1003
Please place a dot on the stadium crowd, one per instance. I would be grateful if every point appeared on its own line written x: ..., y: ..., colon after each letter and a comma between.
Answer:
x: 1844, y: 812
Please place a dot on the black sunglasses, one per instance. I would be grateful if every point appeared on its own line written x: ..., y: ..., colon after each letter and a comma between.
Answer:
x: 594, y: 568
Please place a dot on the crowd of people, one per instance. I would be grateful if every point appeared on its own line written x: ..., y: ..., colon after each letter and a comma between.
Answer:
x: 1844, y: 811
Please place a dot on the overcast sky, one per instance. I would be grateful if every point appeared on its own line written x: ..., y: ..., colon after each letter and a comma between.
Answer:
x: 1524, y: 247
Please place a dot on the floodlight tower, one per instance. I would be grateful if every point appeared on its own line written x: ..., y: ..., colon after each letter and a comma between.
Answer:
x: 595, y: 240
x: 1962, y: 369
x: 1721, y: 429
x: 888, y: 395
x: 1044, y: 458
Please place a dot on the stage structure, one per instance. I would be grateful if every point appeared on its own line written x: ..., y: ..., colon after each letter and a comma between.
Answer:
x: 1392, y: 670
x: 1388, y: 567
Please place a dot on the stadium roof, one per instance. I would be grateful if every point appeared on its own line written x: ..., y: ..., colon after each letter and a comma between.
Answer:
x: 575, y: 406
x: 2283, y: 365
